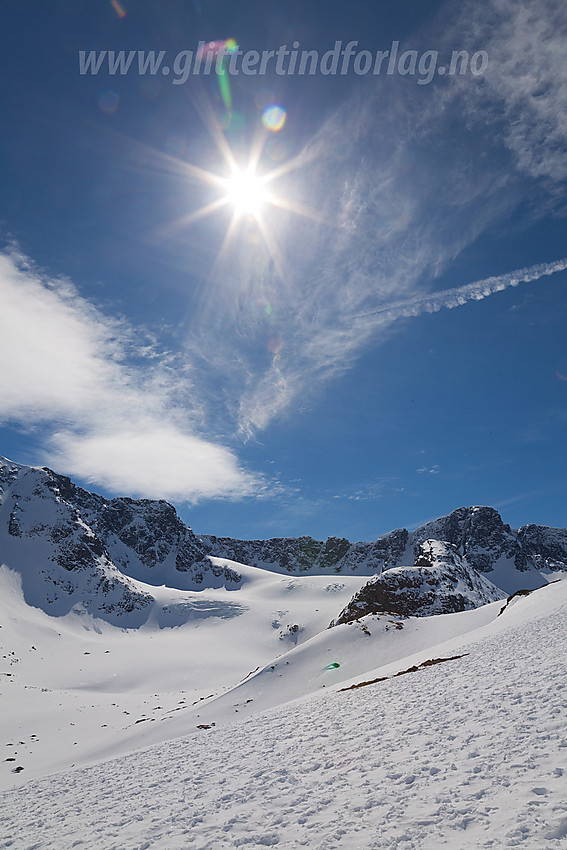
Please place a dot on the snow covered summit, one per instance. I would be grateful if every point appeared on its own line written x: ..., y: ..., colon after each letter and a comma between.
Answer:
x: 75, y: 548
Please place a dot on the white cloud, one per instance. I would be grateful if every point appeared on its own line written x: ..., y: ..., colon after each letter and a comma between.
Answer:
x: 66, y: 365
x: 153, y: 460
x: 57, y: 351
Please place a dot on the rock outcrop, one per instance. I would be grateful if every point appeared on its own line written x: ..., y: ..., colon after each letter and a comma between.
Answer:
x: 440, y: 582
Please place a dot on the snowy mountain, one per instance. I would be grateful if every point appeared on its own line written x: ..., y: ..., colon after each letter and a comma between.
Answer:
x: 252, y: 723
x: 513, y: 559
x: 107, y: 556
x: 74, y: 548
x: 440, y: 582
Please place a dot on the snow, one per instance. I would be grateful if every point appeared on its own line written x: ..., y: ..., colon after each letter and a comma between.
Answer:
x: 505, y: 575
x: 467, y: 753
x: 86, y: 683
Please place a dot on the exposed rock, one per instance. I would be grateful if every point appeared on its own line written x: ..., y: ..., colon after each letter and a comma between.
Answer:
x: 309, y: 556
x: 440, y: 582
x: 146, y: 539
x: 546, y: 547
x: 479, y: 535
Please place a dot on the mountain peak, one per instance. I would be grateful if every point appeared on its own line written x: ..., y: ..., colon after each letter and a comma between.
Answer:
x: 440, y: 582
x: 71, y: 545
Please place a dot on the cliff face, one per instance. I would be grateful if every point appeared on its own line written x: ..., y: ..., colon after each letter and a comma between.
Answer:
x: 306, y: 555
x: 479, y: 535
x: 440, y: 582
x: 546, y: 548
x: 74, y: 548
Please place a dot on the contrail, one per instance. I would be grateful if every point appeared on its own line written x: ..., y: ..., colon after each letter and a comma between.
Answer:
x: 450, y: 298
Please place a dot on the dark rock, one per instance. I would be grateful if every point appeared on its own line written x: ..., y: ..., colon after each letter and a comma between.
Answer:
x: 440, y: 582
x: 545, y: 547
x: 479, y: 535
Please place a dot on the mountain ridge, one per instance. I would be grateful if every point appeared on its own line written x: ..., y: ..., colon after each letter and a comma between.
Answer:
x: 74, y: 547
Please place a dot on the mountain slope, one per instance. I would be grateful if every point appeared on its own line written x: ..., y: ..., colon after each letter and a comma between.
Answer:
x: 61, y: 561
x: 466, y: 753
x: 74, y: 548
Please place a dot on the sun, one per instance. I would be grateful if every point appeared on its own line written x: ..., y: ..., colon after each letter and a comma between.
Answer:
x: 246, y: 192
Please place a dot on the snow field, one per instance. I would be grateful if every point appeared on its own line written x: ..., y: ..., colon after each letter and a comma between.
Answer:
x: 75, y: 690
x: 470, y: 753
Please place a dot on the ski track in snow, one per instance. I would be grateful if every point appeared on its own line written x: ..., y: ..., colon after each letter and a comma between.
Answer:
x: 467, y: 754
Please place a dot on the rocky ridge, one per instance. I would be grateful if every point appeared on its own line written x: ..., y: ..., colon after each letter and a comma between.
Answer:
x: 511, y: 559
x: 76, y: 548
x: 309, y: 556
x: 440, y: 582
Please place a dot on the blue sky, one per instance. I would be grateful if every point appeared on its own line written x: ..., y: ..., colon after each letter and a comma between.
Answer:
x: 378, y: 342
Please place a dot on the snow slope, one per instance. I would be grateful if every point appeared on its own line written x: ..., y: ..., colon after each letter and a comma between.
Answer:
x: 94, y: 691
x: 156, y: 696
x: 77, y: 685
x: 468, y: 753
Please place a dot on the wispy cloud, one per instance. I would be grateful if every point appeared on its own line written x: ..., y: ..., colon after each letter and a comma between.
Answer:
x: 403, y: 181
x: 117, y: 422
x: 526, y: 80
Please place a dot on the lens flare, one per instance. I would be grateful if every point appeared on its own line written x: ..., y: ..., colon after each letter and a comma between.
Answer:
x: 274, y: 117
x: 109, y: 101
x: 118, y: 9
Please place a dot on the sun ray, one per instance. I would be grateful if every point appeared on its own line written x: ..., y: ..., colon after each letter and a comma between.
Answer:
x: 202, y: 212
x: 229, y: 235
x: 271, y: 245
x: 295, y: 207
x: 177, y: 225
